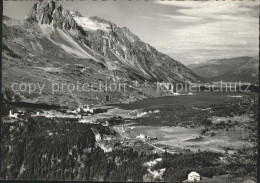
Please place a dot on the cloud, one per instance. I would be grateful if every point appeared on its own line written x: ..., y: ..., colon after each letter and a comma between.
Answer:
x: 152, y: 18
x: 182, y: 18
x: 183, y: 4
x: 171, y: 18
x: 221, y: 29
x: 216, y: 10
x: 188, y: 3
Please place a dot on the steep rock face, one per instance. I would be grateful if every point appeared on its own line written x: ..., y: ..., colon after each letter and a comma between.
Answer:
x: 47, y: 12
x: 118, y: 48
x: 123, y: 47
x: 54, y: 45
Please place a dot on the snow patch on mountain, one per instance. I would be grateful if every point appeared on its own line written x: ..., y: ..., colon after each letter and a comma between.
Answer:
x: 89, y: 25
x: 75, y: 13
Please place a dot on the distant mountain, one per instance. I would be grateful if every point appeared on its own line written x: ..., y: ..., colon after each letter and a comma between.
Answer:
x: 53, y: 43
x: 243, y: 69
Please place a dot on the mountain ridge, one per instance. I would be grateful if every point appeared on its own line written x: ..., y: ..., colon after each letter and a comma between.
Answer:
x: 65, y: 20
x: 243, y: 69
x: 52, y: 43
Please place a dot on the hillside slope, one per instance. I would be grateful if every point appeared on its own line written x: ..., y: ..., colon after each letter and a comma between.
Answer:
x: 54, y: 45
x: 244, y: 69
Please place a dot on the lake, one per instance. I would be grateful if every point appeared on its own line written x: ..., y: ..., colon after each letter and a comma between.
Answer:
x: 198, y: 98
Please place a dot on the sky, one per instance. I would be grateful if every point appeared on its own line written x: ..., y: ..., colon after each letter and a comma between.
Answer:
x: 188, y: 31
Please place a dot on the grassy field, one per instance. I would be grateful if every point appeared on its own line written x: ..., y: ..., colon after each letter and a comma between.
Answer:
x: 182, y: 138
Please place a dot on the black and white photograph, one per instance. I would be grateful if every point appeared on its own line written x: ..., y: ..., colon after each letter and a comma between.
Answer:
x: 130, y: 91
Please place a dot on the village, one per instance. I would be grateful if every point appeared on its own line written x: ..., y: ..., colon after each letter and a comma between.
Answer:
x: 129, y: 135
x: 78, y: 113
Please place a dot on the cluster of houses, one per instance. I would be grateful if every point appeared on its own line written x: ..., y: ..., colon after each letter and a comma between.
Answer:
x: 86, y: 110
x: 83, y: 109
x: 17, y: 114
x: 145, y: 137
x: 126, y: 129
x: 103, y: 123
x: 141, y: 114
x: 140, y: 139
x: 78, y: 113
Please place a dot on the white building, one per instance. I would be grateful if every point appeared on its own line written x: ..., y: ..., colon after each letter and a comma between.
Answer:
x: 72, y: 111
x: 193, y: 176
x: 106, y: 123
x: 98, y: 137
x: 176, y: 94
x: 12, y: 114
x: 141, y: 114
x: 85, y: 109
x: 141, y: 137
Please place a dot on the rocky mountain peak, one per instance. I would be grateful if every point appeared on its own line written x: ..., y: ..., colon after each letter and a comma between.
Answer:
x: 75, y: 13
x: 121, y: 51
x: 50, y: 12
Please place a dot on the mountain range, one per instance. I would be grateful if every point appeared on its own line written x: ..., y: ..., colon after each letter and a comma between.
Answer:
x: 244, y: 69
x: 55, y: 45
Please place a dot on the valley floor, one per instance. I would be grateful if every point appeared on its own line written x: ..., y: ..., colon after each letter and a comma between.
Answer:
x: 159, y: 140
